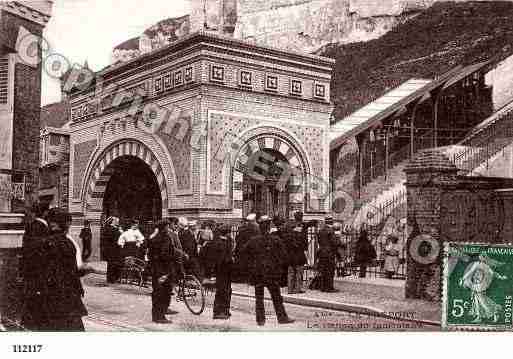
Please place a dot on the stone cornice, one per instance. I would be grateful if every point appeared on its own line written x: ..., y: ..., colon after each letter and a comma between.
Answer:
x: 33, y: 12
x: 321, y: 64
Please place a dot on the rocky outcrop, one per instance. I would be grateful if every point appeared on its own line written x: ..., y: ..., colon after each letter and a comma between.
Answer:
x: 156, y: 36
x: 307, y: 25
x: 298, y: 25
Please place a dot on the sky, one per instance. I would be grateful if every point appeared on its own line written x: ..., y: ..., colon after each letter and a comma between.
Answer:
x: 83, y: 30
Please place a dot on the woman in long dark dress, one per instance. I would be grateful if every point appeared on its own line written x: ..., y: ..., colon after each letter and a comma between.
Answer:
x: 365, y: 252
x: 111, y: 249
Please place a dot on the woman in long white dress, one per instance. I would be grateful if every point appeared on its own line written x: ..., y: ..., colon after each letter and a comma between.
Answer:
x: 478, y: 277
x: 392, y: 252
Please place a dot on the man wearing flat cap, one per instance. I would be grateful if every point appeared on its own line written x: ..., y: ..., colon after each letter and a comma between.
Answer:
x: 266, y: 257
x: 327, y: 254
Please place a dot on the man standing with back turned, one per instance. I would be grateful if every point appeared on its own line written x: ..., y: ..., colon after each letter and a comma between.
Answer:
x: 265, y: 256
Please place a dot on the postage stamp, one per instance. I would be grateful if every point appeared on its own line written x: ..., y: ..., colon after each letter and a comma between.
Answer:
x: 477, y: 287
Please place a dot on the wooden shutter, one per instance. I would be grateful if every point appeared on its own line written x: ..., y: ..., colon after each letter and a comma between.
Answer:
x: 6, y: 110
x: 6, y: 82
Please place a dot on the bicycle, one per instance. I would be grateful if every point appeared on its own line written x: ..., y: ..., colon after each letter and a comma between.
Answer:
x: 192, y: 293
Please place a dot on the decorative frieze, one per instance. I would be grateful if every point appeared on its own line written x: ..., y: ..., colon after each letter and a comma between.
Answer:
x: 217, y: 73
x: 245, y: 78
x: 172, y: 79
x: 320, y: 91
x: 296, y: 87
x: 271, y: 82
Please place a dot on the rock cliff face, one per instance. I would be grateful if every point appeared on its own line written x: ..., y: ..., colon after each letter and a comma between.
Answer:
x: 307, y: 25
x: 298, y: 25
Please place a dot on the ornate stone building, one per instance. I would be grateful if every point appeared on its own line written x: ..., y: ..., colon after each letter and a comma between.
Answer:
x: 218, y: 128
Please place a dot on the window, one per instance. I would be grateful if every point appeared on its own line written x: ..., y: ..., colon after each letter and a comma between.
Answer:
x: 55, y: 140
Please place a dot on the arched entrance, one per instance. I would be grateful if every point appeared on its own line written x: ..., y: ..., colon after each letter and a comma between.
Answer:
x: 132, y: 192
x: 269, y: 174
x: 263, y: 193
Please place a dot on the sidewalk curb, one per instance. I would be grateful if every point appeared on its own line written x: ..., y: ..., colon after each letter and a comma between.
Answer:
x: 342, y: 307
x: 335, y: 306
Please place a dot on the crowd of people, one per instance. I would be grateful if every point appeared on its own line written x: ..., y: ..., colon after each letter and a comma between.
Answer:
x: 265, y: 252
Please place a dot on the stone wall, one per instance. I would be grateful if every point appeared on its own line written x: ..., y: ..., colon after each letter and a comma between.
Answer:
x: 444, y: 207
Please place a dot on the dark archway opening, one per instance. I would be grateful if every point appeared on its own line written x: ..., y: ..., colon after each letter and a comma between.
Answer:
x: 264, y: 192
x: 133, y: 193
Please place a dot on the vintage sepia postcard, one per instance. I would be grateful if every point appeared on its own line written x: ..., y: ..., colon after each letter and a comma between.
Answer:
x: 255, y: 166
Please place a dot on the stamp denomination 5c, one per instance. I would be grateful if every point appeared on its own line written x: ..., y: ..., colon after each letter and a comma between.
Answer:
x: 478, y: 287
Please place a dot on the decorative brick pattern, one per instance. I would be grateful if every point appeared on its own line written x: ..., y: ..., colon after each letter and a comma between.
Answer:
x: 224, y: 132
x: 271, y: 82
x: 180, y: 152
x: 82, y: 154
x: 296, y: 87
x: 101, y: 173
x: 217, y: 73
x: 171, y: 79
x: 198, y: 181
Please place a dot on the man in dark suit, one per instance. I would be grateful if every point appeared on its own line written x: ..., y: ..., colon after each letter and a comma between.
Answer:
x: 219, y: 255
x: 163, y: 261
x: 266, y: 255
x: 32, y: 267
x: 86, y: 236
x: 297, y: 244
x: 327, y: 254
x: 61, y: 307
x: 190, y: 247
x: 248, y: 230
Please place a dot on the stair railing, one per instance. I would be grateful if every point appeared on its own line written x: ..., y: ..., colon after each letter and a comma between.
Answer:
x: 492, y: 136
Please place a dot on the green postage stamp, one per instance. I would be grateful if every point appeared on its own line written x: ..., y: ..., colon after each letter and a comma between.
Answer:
x: 478, y: 287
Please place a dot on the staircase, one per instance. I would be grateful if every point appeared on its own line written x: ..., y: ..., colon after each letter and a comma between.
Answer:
x: 484, y: 143
x: 385, y: 197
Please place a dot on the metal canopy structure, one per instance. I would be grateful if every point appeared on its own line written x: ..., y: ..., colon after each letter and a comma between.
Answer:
x: 411, y: 92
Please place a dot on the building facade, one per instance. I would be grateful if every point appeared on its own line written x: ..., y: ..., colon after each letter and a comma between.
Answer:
x: 54, y: 168
x: 207, y: 127
x: 20, y: 106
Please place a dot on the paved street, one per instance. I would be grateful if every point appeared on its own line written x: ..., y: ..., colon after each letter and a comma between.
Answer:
x: 123, y: 307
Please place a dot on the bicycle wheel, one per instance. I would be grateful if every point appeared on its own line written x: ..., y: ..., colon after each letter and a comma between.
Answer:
x: 193, y: 294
